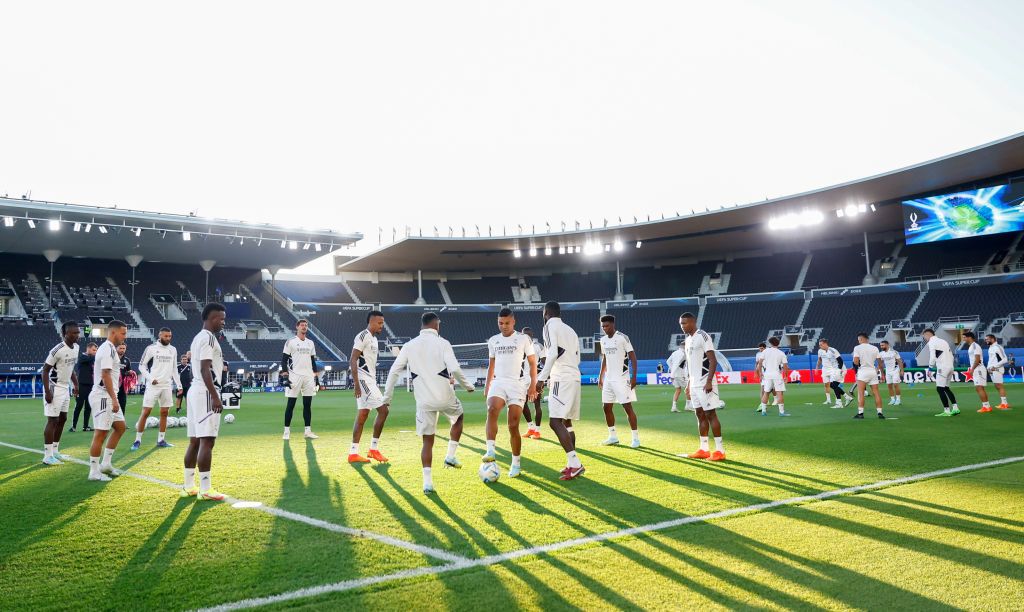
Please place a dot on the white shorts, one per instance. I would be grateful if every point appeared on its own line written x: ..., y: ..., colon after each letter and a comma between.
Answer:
x: 202, y: 421
x: 832, y: 375
x: 996, y: 376
x: 942, y: 376
x: 564, y: 399
x: 61, y: 401
x: 512, y: 391
x: 680, y: 382
x: 103, y: 416
x: 617, y: 392
x: 426, y: 416
x: 772, y: 383
x: 370, y: 396
x: 705, y: 400
x: 303, y: 385
x: 868, y: 375
x: 892, y: 376
x: 157, y: 396
x: 980, y: 376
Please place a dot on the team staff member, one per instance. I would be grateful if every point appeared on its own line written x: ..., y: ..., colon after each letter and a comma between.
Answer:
x: 85, y: 365
x: 185, y: 374
x: 128, y: 378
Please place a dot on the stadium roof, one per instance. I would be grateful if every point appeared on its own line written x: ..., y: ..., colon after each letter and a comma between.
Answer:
x: 709, y: 233
x: 115, y: 233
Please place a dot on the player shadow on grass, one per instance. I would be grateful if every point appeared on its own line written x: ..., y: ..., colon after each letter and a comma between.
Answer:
x: 22, y: 471
x: 156, y: 554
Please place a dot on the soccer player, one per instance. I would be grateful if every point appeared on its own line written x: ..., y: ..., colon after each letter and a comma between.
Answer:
x: 107, y: 414
x: 893, y: 371
x: 301, y: 378
x: 562, y: 368
x: 159, y: 367
x: 680, y: 378
x: 868, y: 367
x: 59, y: 364
x: 702, y: 363
x: 127, y: 378
x: 979, y: 375
x: 617, y: 379
x: 363, y: 363
x: 996, y: 363
x: 533, y: 424
x: 185, y: 376
x: 511, y: 381
x: 761, y: 347
x: 774, y: 368
x: 940, y: 357
x: 432, y: 366
x: 203, y: 404
x: 85, y: 365
x: 830, y: 362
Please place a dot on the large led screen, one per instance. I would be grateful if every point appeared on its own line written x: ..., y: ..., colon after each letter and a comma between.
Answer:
x: 992, y: 210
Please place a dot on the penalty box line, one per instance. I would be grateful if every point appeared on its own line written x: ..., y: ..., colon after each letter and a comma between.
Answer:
x: 285, y: 514
x: 349, y: 585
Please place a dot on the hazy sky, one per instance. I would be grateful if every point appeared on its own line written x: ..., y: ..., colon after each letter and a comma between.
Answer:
x: 359, y: 115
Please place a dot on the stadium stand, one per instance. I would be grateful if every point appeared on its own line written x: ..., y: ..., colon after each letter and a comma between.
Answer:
x: 459, y: 327
x: 486, y: 290
x: 665, y: 281
x: 386, y: 292
x: 298, y: 291
x: 760, y: 274
x: 988, y: 302
x: 340, y: 325
x: 841, y: 318
x: 841, y: 266
x: 931, y: 258
x: 650, y: 329
x: 579, y: 287
x: 744, y: 324
x: 24, y: 343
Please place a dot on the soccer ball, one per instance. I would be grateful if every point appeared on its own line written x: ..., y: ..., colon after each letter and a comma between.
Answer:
x: 489, y: 472
x: 152, y: 422
x: 229, y: 418
x: 172, y: 421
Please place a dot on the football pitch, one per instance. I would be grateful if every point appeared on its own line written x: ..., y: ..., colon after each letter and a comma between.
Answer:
x: 775, y: 526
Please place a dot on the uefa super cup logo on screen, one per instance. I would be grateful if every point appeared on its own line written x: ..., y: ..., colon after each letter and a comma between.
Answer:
x: 913, y: 222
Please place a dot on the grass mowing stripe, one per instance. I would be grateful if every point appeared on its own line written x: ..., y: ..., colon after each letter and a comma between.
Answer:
x: 349, y: 585
x: 301, y: 518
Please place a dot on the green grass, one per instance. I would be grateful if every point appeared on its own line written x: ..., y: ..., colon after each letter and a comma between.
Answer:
x: 948, y: 542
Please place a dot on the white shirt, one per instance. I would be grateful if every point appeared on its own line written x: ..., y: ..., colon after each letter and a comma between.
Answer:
x: 432, y: 365
x: 510, y: 356
x: 996, y: 357
x: 974, y: 350
x: 939, y: 353
x: 890, y: 358
x: 164, y: 366
x: 615, y: 352
x: 772, y: 361
x: 62, y: 359
x: 562, y: 359
x: 829, y: 358
x: 366, y: 344
x: 677, y: 363
x: 698, y: 366
x: 106, y: 359
x: 302, y: 353
x: 868, y: 354
x: 206, y: 346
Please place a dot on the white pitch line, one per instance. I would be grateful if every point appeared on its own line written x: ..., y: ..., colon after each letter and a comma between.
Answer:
x: 278, y: 512
x: 348, y: 585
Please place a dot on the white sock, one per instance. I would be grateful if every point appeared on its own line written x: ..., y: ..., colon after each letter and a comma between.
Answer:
x: 47, y: 450
x: 782, y: 408
x: 860, y: 409
x: 94, y: 465
x: 54, y: 448
x: 878, y: 409
x: 309, y: 430
x: 428, y: 479
x: 138, y: 436
x: 204, y: 482
x: 373, y: 443
x: 570, y: 429
x: 490, y: 447
x: 287, y: 430
x: 674, y: 405
x: 160, y: 436
x: 719, y: 445
x: 190, y: 478
x: 354, y: 449
x: 704, y: 443
x: 1002, y: 399
x: 611, y: 432
x: 108, y: 456
x: 762, y: 407
x: 636, y: 434
x: 572, y: 459
x: 453, y: 446
x: 955, y: 407
x: 985, y: 405
x: 515, y: 459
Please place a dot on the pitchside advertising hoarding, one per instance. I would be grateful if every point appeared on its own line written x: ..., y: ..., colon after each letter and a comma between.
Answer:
x: 910, y: 376
x: 964, y: 214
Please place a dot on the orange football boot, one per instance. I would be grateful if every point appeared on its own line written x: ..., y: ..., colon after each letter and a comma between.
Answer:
x: 375, y: 455
x: 700, y: 454
x: 717, y: 456
x: 356, y: 458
